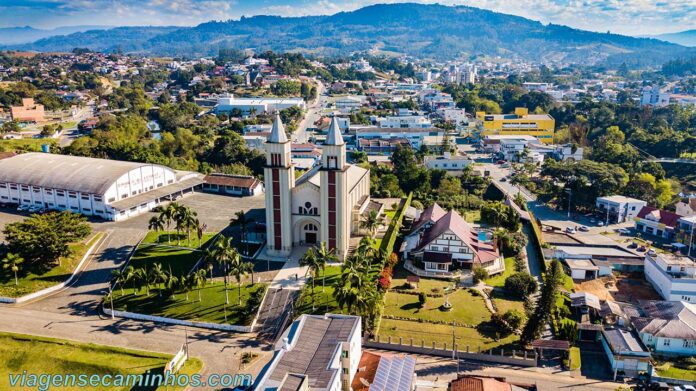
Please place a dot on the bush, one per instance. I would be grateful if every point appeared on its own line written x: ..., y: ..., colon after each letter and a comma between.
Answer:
x: 421, y: 299
x: 521, y: 285
x: 480, y: 274
x: 514, y: 319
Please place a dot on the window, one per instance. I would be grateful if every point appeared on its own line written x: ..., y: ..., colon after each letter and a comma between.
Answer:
x: 666, y: 342
x: 688, y: 344
x: 3, y: 186
x: 434, y: 248
x: 112, y: 199
x: 25, y: 188
x: 13, y: 187
x: 97, y: 198
x: 84, y: 197
x: 61, y: 205
x: 36, y: 189
x: 60, y: 193
x: 4, y: 197
x: 72, y: 194
x: 49, y: 192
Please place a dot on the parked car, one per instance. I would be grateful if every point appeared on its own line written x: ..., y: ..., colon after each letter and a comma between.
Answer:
x: 624, y: 231
x: 652, y: 252
x: 601, y: 224
x: 503, y: 179
x: 642, y: 249
x: 34, y: 209
x: 22, y: 208
x: 500, y: 162
x: 584, y: 228
x: 633, y: 245
x: 570, y: 230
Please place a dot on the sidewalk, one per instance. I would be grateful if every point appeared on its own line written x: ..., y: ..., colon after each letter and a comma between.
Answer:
x: 291, y: 276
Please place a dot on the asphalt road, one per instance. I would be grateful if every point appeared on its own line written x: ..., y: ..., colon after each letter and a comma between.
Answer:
x: 301, y: 135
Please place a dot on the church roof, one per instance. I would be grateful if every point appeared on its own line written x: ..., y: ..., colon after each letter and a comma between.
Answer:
x: 334, y: 136
x: 354, y: 175
x: 278, y: 131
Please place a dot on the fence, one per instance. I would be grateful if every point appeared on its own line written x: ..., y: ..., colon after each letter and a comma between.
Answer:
x: 511, y: 357
x: 538, y: 241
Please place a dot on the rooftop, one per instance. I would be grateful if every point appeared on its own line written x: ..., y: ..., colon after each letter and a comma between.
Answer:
x: 624, y: 342
x: 669, y: 319
x: 619, y: 199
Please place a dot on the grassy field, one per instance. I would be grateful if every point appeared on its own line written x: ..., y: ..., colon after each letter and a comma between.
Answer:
x: 428, y: 285
x: 667, y: 369
x: 171, y: 238
x: 323, y: 301
x: 466, y: 308
x: 499, y: 279
x: 178, y: 260
x: 472, y: 216
x: 211, y: 308
x: 36, y: 281
x: 503, y: 302
x: 27, y: 144
x: 39, y: 355
x: 439, y: 334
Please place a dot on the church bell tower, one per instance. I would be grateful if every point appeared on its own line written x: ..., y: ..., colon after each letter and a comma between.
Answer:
x: 335, y: 211
x: 279, y: 179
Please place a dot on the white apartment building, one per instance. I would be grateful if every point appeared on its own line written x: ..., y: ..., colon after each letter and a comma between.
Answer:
x: 672, y: 276
x: 618, y: 209
x: 349, y: 104
x: 416, y: 137
x: 654, y: 97
x: 410, y: 121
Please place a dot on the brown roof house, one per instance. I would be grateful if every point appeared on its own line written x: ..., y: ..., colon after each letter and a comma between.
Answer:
x: 236, y: 185
x: 28, y: 111
x: 443, y: 244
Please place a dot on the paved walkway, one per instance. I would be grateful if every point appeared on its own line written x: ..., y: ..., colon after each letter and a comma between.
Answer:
x: 291, y: 276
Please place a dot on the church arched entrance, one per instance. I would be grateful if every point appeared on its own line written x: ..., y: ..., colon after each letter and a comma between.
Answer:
x: 310, y: 233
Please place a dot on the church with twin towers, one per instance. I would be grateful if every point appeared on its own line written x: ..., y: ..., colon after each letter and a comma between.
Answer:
x: 323, y: 205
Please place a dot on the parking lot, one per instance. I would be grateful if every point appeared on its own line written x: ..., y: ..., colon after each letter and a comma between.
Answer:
x: 213, y: 209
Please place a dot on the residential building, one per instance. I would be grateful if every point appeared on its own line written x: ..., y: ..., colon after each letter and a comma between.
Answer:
x: 325, y: 204
x: 685, y: 234
x: 626, y: 352
x: 349, y: 104
x: 482, y: 383
x: 687, y: 208
x: 521, y: 122
x: 382, y: 147
x: 568, y: 152
x: 456, y: 116
x: 653, y: 221
x: 238, y: 185
x: 540, y: 87
x: 445, y: 242
x: 668, y: 327
x: 405, y: 122
x: 315, y: 353
x: 438, y: 100
x: 259, y: 105
x: 446, y: 162
x: 672, y: 276
x: 508, y: 145
x: 652, y: 96
x: 29, y: 111
x: 619, y: 209
x: 110, y: 189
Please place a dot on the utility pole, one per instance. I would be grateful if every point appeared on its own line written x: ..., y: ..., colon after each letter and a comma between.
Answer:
x: 111, y: 296
x: 570, y: 195
x: 691, y: 238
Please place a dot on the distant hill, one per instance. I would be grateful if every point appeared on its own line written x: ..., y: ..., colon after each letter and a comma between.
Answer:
x: 685, y: 38
x: 435, y: 31
x: 27, y: 34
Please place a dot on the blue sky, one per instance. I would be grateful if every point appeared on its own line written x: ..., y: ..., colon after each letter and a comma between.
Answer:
x: 633, y: 17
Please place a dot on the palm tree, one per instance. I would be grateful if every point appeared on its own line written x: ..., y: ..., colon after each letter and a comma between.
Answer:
x: 224, y: 252
x: 157, y: 275
x: 200, y: 228
x: 324, y: 256
x: 502, y: 237
x: 190, y: 222
x: 167, y: 215
x: 240, y: 219
x: 142, y: 277
x: 366, y: 250
x: 199, y: 281
x: 171, y: 282
x: 186, y: 283
x: 156, y: 224
x: 130, y: 276
x: 118, y: 277
x: 12, y: 262
x: 311, y: 260
x: 180, y: 215
x: 238, y: 269
x: 370, y: 222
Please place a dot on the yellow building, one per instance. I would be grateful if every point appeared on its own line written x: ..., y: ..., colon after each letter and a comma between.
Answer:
x: 540, y: 126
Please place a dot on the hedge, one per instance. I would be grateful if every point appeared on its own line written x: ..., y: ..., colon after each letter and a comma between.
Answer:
x: 538, y: 239
x: 389, y: 238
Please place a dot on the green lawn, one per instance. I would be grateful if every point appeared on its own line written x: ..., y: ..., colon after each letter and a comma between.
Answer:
x: 211, y: 308
x: 41, y: 355
x: 170, y: 238
x: 26, y: 144
x: 472, y: 216
x: 466, y: 308
x: 503, y: 302
x: 438, y: 333
x: 499, y: 279
x: 179, y: 260
x: 427, y: 285
x: 567, y: 283
x: 668, y: 369
x: 323, y: 301
x: 36, y: 280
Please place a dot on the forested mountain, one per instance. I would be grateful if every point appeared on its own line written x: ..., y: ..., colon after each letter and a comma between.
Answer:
x: 27, y: 34
x: 686, y: 38
x: 436, y: 31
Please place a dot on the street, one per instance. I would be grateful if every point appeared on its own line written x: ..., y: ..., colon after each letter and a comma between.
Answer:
x: 314, y: 112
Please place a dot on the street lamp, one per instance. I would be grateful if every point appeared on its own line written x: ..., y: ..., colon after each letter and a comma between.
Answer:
x: 570, y: 195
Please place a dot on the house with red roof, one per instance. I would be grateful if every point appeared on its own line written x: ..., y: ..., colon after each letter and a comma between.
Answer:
x: 442, y: 243
x: 657, y: 222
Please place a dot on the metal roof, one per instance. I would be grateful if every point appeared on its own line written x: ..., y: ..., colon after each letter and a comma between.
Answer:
x: 394, y: 374
x: 75, y: 173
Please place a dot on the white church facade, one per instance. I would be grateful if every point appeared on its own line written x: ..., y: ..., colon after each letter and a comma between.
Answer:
x: 322, y: 205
